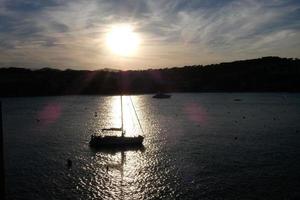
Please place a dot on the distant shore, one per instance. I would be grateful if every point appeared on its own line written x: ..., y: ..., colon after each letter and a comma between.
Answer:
x: 268, y: 74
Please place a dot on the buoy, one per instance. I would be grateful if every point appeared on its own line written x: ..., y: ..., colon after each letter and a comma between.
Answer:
x: 69, y: 163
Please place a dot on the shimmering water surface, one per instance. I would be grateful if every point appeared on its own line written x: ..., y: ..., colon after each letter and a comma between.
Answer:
x: 197, y: 146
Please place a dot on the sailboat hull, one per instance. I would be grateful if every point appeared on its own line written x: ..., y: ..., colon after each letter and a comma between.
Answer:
x: 115, y: 141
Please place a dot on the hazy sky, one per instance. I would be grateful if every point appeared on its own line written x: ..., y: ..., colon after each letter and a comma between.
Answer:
x: 71, y: 33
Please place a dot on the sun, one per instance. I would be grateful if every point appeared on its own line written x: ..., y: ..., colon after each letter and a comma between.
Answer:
x: 122, y: 40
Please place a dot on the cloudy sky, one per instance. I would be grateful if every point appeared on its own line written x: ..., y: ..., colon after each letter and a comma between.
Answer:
x: 71, y: 33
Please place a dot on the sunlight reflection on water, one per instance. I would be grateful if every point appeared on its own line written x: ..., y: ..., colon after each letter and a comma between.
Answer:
x: 196, y: 146
x: 130, y: 174
x: 112, y: 116
x: 127, y: 173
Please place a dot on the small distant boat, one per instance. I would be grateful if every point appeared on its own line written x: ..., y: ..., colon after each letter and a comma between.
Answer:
x: 161, y: 95
x: 122, y: 141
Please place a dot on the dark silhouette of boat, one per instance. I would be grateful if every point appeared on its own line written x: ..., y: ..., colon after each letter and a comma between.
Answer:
x: 161, y: 95
x: 124, y: 142
x: 237, y: 99
x: 121, y: 142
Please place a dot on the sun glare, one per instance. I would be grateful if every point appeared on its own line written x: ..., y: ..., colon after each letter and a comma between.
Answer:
x: 122, y: 40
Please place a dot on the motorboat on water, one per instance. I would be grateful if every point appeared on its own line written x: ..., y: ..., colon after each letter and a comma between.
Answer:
x: 161, y: 95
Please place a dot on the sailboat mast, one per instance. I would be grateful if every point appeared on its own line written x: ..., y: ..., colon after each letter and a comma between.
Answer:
x: 122, y: 126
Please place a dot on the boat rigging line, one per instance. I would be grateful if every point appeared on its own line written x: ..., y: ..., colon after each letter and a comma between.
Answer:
x: 136, y: 115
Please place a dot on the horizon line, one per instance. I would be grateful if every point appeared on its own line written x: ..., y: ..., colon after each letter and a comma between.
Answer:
x: 144, y: 69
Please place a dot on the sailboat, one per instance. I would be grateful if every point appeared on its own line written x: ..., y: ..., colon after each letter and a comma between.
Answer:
x: 122, y: 141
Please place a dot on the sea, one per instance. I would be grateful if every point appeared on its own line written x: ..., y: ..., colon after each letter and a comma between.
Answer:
x: 196, y: 146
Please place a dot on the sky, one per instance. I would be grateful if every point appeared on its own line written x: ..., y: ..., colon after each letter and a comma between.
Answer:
x: 72, y: 33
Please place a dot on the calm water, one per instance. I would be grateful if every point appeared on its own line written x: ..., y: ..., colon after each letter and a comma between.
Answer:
x: 197, y: 146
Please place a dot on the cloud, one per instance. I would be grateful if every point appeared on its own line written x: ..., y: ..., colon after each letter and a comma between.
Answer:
x: 70, y: 33
x: 29, y: 5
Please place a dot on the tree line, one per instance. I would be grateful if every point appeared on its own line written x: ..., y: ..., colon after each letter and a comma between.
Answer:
x: 267, y: 74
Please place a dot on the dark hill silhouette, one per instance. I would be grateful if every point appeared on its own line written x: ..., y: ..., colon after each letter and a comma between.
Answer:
x: 268, y: 74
